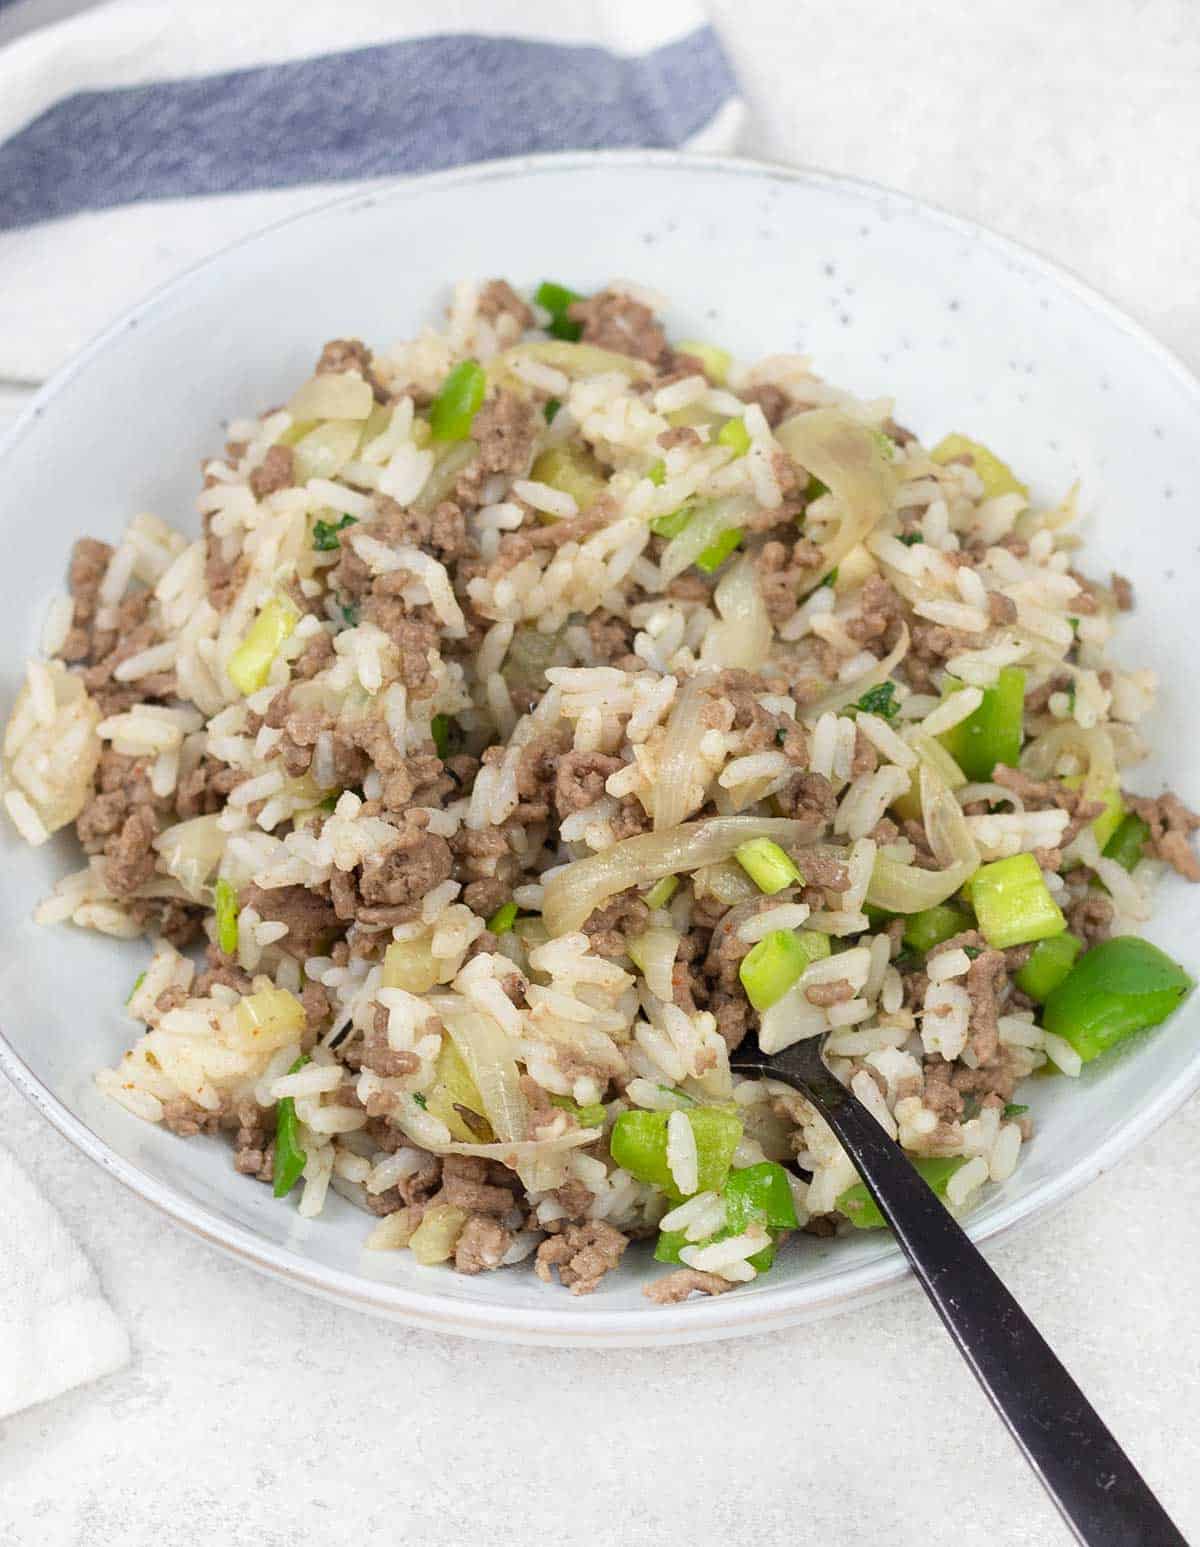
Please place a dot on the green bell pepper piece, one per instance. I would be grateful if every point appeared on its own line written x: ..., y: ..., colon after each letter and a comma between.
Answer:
x: 992, y: 733
x: 1049, y: 962
x: 857, y: 1204
x: 1129, y: 840
x: 290, y: 1159
x: 1119, y: 987
x: 639, y: 1143
x: 924, y: 930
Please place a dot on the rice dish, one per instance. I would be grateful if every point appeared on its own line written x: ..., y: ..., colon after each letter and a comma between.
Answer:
x: 546, y: 707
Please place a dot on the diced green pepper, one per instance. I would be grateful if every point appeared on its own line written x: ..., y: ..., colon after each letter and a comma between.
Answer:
x: 1013, y: 903
x: 1118, y: 988
x: 661, y: 892
x: 1106, y: 824
x: 1129, y: 840
x: 325, y: 533
x: 734, y: 434
x: 771, y: 966
x: 857, y: 1204
x: 587, y: 1117
x: 671, y: 1243
x: 815, y: 945
x: 1049, y: 962
x: 760, y: 1192
x: 250, y: 663
x: 657, y: 474
x: 992, y: 733
x: 556, y: 299
x: 503, y: 919
x: 768, y: 866
x: 671, y: 525
x: 924, y: 930
x: 639, y: 1143
x: 226, y: 907
x: 719, y: 549
x: 290, y: 1159
x: 996, y: 476
x: 459, y: 400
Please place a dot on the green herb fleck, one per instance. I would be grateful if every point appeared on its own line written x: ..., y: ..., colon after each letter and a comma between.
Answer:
x: 1015, y: 1109
x: 972, y: 951
x: 551, y: 408
x: 657, y: 474
x: 886, y: 444
x: 439, y: 729
x: 290, y: 1159
x: 503, y: 919
x: 325, y: 533
x: 349, y: 615
x: 1074, y: 622
x: 911, y: 539
x: 330, y: 801
x: 830, y: 579
x: 420, y: 1100
x: 880, y: 700
x: 137, y: 983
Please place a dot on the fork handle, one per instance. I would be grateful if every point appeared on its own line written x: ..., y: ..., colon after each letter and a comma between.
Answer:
x: 1099, y: 1492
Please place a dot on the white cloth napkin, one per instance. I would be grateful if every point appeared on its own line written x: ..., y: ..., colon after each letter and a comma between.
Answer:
x: 141, y: 135
x: 137, y: 136
x: 57, y: 1330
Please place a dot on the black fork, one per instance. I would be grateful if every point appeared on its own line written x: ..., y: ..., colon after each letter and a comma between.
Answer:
x: 1099, y: 1492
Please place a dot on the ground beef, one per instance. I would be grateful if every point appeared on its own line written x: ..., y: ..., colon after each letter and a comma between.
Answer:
x: 865, y: 758
x: 579, y: 780
x: 481, y: 1244
x: 498, y: 299
x: 414, y: 638
x: 1045, y: 794
x: 505, y: 430
x: 441, y: 531
x: 621, y: 919
x: 677, y: 1286
x: 826, y: 994
x: 773, y: 401
x: 274, y: 472
x: 418, y: 862
x: 783, y: 572
x: 823, y: 870
x: 89, y: 561
x: 1001, y: 609
x: 939, y: 1094
x: 1171, y: 826
x: 129, y: 854
x: 618, y: 322
x: 880, y: 613
x: 1090, y: 918
x: 467, y: 1183
x: 350, y: 354
x: 682, y: 435
x: 808, y: 798
x: 309, y: 917
x: 224, y: 574
x: 986, y: 978
x: 583, y: 1254
x: 220, y: 970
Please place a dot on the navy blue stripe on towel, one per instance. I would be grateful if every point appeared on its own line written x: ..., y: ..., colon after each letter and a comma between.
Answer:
x: 401, y: 107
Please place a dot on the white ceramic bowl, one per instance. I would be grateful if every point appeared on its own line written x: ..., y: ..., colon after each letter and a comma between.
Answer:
x: 966, y: 331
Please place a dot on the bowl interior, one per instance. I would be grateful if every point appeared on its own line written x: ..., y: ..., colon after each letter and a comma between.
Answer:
x: 888, y: 297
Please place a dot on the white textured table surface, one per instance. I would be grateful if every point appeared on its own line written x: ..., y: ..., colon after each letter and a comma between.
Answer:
x: 255, y: 1417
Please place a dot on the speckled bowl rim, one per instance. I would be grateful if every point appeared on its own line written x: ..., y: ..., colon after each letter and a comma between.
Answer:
x: 592, y: 1326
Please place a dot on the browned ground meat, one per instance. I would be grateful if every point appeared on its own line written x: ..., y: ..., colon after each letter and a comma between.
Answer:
x: 880, y: 610
x: 583, y: 1254
x: 129, y: 855
x: 773, y: 401
x: 481, y: 1245
x: 579, y: 780
x: 350, y: 354
x: 504, y: 430
x: 273, y: 473
x: 309, y: 917
x: 618, y: 322
x: 986, y: 978
x: 1171, y: 826
x: 618, y: 921
x: 825, y: 994
x: 89, y: 560
x: 677, y: 1286
x: 498, y: 299
x: 784, y: 573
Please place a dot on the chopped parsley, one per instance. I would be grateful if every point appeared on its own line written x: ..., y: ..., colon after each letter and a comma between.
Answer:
x: 552, y: 407
x: 1015, y: 1109
x: 885, y: 443
x: 911, y: 539
x: 325, y: 533
x: 420, y: 1100
x: 138, y: 981
x: 330, y: 801
x: 349, y: 616
x: 830, y: 579
x: 1074, y: 622
x: 815, y: 489
x: 880, y: 700
x: 972, y: 951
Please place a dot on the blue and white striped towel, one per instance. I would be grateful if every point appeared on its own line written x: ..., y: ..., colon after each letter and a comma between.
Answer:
x: 137, y: 136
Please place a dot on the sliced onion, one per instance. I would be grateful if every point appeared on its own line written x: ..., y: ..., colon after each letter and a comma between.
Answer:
x: 521, y: 1152
x: 191, y: 851
x: 1093, y: 747
x: 578, y: 889
x: 324, y: 452
x: 743, y: 636
x: 333, y: 395
x: 848, y: 459
x: 680, y: 780
x: 445, y: 473
x: 906, y: 889
x: 727, y: 882
x: 654, y: 952
x: 849, y: 692
x: 709, y: 519
x: 934, y: 755
x: 491, y: 1061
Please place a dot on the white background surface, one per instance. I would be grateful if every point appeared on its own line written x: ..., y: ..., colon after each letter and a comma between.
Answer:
x: 253, y: 1415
